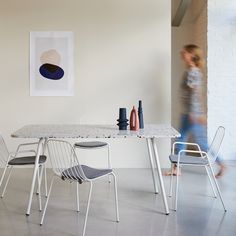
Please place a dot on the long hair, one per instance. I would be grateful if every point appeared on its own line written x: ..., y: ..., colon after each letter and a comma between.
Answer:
x: 197, y: 57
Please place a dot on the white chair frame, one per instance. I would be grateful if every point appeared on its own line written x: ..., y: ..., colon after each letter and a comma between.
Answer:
x: 208, y: 168
x: 58, y: 170
x: 14, y: 155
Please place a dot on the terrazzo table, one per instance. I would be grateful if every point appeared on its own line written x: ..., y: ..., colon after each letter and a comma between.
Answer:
x: 151, y: 132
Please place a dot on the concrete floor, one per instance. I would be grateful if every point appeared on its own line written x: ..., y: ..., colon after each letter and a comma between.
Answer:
x: 141, y: 211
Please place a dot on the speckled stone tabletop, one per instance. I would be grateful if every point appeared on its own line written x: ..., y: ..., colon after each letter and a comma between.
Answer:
x: 93, y: 131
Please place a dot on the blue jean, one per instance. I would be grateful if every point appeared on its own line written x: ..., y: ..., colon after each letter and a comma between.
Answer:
x: 199, y: 133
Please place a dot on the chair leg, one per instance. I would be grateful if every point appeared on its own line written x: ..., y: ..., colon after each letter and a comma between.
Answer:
x: 3, y: 174
x: 8, y: 178
x: 40, y: 178
x: 46, y: 204
x: 43, y: 170
x: 217, y: 186
x: 116, y: 197
x: 211, y: 182
x: 171, y: 180
x: 177, y: 187
x: 77, y: 196
x: 87, y: 210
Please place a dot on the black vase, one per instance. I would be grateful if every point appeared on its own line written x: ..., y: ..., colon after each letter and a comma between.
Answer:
x: 140, y: 115
x: 122, y: 121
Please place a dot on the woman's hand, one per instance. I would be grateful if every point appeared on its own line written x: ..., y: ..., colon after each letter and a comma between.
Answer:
x: 198, y: 118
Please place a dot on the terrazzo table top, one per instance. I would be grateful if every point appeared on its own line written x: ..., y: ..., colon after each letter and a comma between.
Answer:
x: 93, y: 131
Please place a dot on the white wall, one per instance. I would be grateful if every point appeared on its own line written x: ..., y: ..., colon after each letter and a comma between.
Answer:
x: 122, y: 54
x: 221, y: 72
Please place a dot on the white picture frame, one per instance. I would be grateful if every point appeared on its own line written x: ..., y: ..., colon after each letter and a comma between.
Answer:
x: 51, y: 63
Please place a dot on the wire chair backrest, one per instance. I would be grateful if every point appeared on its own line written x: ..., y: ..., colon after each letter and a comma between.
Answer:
x: 63, y: 157
x: 214, y: 148
x: 4, y: 153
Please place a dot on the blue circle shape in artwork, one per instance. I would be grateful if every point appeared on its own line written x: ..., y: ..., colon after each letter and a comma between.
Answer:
x: 51, y: 71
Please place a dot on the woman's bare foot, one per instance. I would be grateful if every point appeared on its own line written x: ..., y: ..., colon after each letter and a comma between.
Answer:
x: 168, y: 173
x: 221, y: 171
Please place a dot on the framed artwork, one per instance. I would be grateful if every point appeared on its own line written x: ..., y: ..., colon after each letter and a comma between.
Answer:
x: 51, y: 63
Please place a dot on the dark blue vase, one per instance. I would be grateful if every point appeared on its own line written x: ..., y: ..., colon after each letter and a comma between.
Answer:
x: 122, y: 121
x: 140, y: 115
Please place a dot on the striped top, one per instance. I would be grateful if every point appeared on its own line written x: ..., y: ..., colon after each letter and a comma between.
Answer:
x: 191, y: 91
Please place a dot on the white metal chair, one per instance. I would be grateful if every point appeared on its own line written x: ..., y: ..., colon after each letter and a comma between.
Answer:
x: 20, y: 158
x: 205, y: 159
x: 66, y: 166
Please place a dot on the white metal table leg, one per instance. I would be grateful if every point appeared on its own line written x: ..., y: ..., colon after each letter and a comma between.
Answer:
x: 3, y: 174
x: 8, y: 178
x: 44, y: 168
x: 36, y: 166
x: 159, y: 174
x: 177, y: 185
x: 45, y: 181
x: 150, y: 151
x: 109, y: 161
x: 39, y: 191
x: 87, y: 210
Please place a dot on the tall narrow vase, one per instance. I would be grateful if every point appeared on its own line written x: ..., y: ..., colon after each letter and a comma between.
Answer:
x: 134, y: 120
x: 140, y: 115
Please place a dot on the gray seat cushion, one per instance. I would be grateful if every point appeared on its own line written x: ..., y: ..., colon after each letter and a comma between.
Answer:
x: 28, y: 160
x: 90, y: 173
x: 92, y: 144
x: 186, y: 159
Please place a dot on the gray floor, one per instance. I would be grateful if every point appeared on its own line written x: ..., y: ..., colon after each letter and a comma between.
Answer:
x: 140, y: 209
